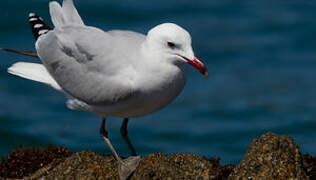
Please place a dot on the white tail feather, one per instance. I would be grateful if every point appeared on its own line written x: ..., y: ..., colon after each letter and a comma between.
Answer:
x: 35, y: 72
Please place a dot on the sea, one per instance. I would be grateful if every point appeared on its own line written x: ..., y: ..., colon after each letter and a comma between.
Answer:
x: 261, y: 58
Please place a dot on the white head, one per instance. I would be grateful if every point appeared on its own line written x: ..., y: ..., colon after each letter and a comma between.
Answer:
x: 174, y: 42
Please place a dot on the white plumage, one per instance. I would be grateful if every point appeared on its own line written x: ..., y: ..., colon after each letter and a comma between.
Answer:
x: 35, y: 72
x: 114, y: 73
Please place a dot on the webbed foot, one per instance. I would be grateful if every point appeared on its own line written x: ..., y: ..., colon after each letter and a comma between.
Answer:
x: 128, y: 166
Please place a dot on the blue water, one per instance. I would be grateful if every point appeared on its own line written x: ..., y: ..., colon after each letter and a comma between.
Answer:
x: 261, y: 57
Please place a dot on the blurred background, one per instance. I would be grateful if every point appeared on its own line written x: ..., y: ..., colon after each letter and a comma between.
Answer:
x: 262, y: 64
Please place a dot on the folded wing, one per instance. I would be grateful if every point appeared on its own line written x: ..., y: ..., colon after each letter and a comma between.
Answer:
x: 89, y: 64
x: 85, y: 64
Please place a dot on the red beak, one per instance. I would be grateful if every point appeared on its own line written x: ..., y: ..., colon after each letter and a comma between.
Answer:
x: 196, y: 63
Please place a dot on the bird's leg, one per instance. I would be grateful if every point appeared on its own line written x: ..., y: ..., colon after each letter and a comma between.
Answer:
x: 125, y: 137
x: 105, y: 137
x: 126, y: 166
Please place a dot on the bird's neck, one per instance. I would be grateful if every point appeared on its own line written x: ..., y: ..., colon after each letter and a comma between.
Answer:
x: 157, y: 70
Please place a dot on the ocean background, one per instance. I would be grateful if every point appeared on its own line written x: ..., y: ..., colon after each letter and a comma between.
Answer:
x: 261, y: 57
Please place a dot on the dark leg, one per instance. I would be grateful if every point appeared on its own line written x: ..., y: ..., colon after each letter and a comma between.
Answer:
x: 104, y: 135
x: 125, y: 137
x: 126, y: 166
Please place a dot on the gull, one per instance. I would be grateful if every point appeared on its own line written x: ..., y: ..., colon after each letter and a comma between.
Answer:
x: 114, y: 73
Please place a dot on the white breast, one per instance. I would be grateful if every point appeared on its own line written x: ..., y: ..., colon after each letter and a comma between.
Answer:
x: 155, y: 94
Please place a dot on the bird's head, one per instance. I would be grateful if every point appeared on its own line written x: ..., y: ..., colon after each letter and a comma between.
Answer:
x: 174, y: 43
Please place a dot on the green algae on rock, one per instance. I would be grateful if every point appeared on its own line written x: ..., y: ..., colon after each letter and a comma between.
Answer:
x: 271, y: 157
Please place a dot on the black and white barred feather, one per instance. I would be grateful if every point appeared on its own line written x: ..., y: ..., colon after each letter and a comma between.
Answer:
x: 39, y: 27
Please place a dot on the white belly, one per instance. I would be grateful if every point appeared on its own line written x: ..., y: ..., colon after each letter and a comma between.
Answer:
x: 147, y: 101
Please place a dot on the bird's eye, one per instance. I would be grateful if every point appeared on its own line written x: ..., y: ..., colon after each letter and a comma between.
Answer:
x: 171, y: 44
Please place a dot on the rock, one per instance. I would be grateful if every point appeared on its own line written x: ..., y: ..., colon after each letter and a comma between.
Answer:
x: 179, y: 166
x: 271, y: 157
x: 309, y: 163
x: 268, y: 157
x: 85, y: 165
x: 24, y: 161
x: 88, y: 165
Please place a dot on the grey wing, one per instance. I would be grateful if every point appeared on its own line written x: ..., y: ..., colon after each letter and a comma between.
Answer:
x: 86, y: 65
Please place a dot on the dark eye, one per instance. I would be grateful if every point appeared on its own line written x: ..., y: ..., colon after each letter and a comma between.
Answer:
x: 171, y: 44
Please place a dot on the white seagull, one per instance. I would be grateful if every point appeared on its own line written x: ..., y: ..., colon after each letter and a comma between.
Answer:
x: 114, y: 73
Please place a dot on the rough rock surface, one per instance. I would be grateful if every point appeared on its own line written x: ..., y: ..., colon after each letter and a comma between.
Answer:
x: 271, y: 157
x: 85, y: 165
x: 178, y: 166
x: 24, y: 161
x: 309, y: 163
x: 88, y: 165
x: 268, y: 157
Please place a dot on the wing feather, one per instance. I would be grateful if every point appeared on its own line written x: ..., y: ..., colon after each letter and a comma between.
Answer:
x: 86, y: 65
x: 71, y: 13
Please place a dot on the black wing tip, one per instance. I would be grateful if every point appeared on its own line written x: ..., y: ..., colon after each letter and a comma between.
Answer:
x: 39, y: 27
